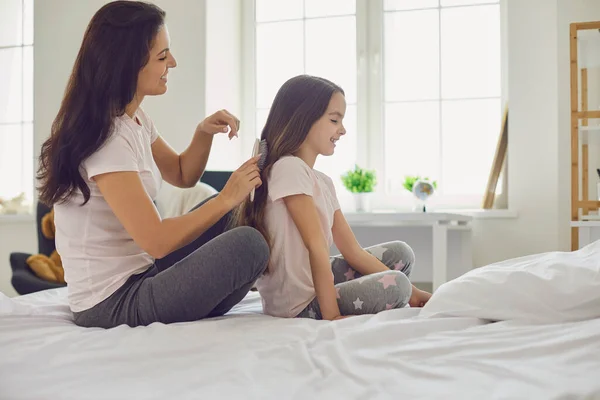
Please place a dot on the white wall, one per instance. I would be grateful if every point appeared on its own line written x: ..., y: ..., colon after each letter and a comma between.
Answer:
x: 224, y: 77
x: 538, y: 87
x: 533, y: 133
x: 539, y: 130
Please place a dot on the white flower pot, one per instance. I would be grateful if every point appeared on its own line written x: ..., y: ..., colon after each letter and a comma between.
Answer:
x: 420, y: 206
x: 362, y: 202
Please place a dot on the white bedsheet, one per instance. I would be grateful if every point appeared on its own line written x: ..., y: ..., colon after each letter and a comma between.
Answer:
x: 247, y: 355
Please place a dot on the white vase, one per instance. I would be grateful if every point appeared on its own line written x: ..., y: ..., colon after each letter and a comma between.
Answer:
x: 419, y: 206
x: 362, y: 202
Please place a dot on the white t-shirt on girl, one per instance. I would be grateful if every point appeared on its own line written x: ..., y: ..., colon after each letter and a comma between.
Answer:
x: 97, y: 253
x: 288, y: 286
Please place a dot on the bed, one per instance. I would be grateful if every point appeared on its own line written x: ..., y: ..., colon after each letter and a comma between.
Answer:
x: 499, y: 348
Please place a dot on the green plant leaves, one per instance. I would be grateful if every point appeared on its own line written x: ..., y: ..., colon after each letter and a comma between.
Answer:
x: 359, y: 180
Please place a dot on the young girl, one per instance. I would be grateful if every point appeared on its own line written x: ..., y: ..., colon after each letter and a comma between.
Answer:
x: 297, y: 212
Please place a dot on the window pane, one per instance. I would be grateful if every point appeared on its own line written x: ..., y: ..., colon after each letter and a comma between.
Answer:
x: 331, y: 52
x: 411, y: 142
x: 28, y: 22
x: 470, y: 52
x: 277, y: 10
x: 27, y: 161
x: 446, y: 3
x: 28, y: 83
x: 390, y: 5
x: 470, y: 130
x: 344, y: 157
x: 411, y: 55
x: 11, y: 25
x: 326, y: 8
x: 11, y: 160
x: 279, y: 57
x: 11, y: 98
x: 261, y: 119
x: 225, y: 154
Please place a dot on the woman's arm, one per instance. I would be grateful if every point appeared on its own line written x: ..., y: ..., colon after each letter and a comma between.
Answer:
x: 185, y: 169
x: 353, y: 253
x: 125, y: 194
x: 304, y: 214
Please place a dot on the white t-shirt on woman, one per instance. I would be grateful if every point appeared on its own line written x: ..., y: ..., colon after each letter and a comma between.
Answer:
x: 97, y: 253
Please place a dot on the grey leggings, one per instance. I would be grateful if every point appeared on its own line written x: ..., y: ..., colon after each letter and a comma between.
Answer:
x: 370, y: 294
x: 204, y: 279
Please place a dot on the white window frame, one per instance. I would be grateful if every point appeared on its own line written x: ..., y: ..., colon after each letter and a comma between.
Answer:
x: 24, y: 44
x: 370, y: 100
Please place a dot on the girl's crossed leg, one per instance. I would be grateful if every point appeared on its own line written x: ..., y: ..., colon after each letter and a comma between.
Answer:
x: 373, y: 293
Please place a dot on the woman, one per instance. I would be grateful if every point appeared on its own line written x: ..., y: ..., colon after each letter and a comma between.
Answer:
x: 103, y: 165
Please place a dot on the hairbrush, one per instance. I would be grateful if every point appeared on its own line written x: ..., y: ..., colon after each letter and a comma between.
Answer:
x: 260, y: 147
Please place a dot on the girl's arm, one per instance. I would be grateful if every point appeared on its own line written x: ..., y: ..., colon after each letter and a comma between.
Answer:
x: 347, y: 244
x: 304, y: 214
x: 184, y: 170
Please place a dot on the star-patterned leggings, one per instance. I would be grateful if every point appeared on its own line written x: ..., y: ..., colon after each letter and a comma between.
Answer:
x: 370, y: 294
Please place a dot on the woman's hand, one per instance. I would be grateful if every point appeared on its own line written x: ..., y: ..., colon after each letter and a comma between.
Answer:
x: 220, y: 122
x: 241, y: 183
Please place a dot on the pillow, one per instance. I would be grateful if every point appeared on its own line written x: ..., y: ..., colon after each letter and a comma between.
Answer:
x: 173, y: 202
x: 546, y: 288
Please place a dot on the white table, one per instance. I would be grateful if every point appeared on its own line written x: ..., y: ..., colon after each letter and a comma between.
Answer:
x: 440, y: 223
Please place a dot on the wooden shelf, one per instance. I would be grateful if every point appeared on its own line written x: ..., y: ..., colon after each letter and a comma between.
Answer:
x: 593, y: 128
x: 581, y: 224
x: 587, y: 114
x: 582, y: 26
x: 584, y: 54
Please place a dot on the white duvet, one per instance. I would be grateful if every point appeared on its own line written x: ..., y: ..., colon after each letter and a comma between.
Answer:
x: 449, y: 351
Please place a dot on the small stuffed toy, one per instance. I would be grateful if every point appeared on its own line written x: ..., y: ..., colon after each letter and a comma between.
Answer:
x: 48, y: 268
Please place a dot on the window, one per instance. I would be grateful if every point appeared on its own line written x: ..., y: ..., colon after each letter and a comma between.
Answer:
x: 443, y: 108
x: 16, y: 99
x: 422, y: 81
x: 289, y: 42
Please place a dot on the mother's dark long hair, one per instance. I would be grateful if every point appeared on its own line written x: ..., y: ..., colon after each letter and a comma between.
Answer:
x: 299, y: 103
x: 103, y: 82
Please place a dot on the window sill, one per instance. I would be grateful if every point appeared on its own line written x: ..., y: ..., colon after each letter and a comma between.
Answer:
x: 6, y: 219
x: 478, y: 213
x: 437, y: 214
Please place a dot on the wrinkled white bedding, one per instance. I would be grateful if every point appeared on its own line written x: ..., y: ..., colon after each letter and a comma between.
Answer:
x: 247, y: 355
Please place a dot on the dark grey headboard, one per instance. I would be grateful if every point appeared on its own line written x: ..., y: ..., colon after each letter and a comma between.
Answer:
x: 216, y: 179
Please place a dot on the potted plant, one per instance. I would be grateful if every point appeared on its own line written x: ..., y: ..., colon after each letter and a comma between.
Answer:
x: 421, y: 188
x: 361, y: 183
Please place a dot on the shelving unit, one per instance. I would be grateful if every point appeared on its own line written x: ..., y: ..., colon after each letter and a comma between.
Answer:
x: 585, y: 57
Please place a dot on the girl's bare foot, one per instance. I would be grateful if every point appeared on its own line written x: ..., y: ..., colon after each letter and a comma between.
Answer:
x: 419, y: 297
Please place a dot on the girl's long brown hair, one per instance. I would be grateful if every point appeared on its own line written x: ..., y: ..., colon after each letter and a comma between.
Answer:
x: 115, y: 48
x: 299, y: 103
